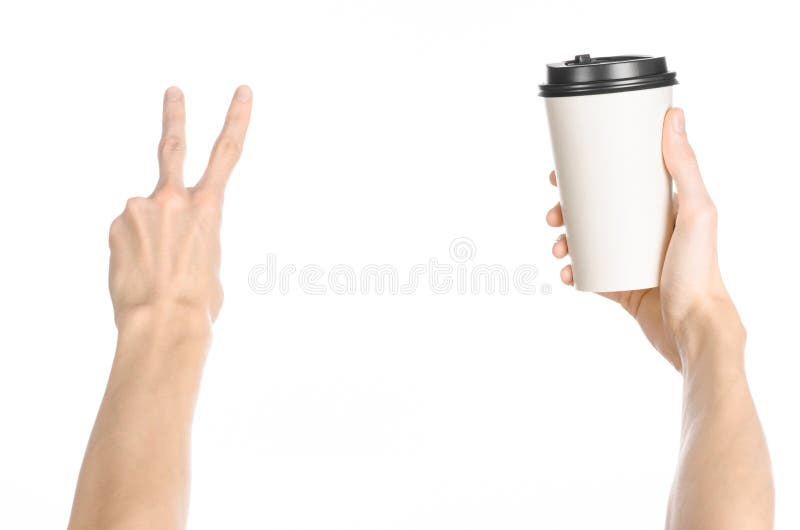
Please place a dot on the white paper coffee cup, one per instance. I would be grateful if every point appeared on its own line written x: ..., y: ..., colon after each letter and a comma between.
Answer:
x: 606, y: 117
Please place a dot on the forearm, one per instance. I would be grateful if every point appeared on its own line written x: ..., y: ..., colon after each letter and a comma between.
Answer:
x: 136, y: 468
x: 723, y: 478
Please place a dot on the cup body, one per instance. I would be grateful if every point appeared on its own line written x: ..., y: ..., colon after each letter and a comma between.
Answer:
x: 616, y: 194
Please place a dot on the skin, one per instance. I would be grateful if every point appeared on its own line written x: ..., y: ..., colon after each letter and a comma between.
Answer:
x: 165, y: 289
x: 723, y: 479
x: 166, y: 293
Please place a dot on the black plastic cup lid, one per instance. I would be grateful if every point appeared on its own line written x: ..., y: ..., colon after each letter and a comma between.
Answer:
x: 586, y: 75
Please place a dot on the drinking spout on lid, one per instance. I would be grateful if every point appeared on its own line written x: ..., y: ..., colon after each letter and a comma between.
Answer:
x: 583, y: 59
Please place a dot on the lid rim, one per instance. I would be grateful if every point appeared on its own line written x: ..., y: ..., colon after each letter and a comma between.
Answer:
x: 606, y: 87
x: 587, y: 75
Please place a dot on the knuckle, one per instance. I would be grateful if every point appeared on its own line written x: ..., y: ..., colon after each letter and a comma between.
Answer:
x: 691, y: 157
x: 713, y: 212
x: 135, y: 204
x: 217, y: 301
x: 705, y: 214
x: 114, y: 229
x: 171, y: 144
x: 169, y: 197
x: 228, y: 146
x: 708, y: 213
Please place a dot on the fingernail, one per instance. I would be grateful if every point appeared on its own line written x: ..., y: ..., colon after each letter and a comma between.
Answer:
x: 173, y: 94
x: 678, y: 123
x: 243, y: 93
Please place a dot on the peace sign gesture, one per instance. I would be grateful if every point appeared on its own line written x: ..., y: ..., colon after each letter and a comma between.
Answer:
x: 165, y: 249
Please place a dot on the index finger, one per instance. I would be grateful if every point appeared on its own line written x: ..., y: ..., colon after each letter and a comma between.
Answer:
x: 228, y: 147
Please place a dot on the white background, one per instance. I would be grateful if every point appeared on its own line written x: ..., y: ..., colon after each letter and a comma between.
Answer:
x: 380, y: 132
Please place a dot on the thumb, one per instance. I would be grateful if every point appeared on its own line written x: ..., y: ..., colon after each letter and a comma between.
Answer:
x: 680, y: 160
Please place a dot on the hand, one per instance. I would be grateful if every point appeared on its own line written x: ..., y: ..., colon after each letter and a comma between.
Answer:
x: 165, y: 249
x: 691, y: 294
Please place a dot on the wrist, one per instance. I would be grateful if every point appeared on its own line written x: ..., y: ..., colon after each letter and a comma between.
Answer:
x: 161, y: 335
x: 168, y: 319
x: 711, y: 336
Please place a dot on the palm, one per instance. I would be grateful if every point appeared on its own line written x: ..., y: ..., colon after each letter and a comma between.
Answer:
x: 645, y: 306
